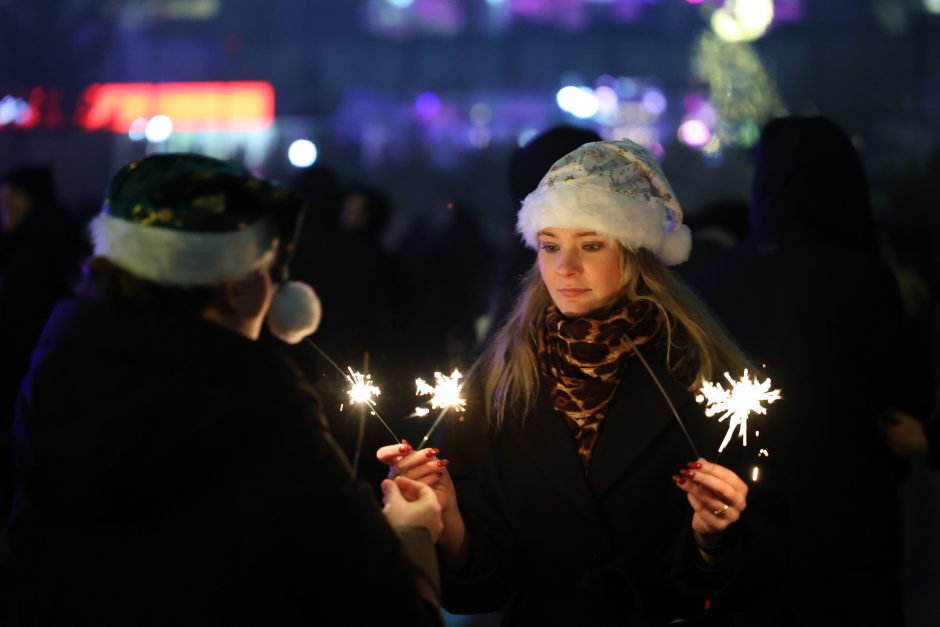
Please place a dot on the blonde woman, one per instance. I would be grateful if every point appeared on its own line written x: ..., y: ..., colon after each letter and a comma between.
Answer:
x: 556, y: 492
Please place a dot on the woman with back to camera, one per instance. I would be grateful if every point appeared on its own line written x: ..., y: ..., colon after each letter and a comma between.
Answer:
x: 555, y: 492
x: 174, y: 470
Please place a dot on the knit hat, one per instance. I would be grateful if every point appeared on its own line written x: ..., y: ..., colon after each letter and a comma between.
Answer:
x: 615, y: 188
x: 187, y: 220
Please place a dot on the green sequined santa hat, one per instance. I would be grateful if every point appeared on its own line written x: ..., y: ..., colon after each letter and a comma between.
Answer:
x: 615, y: 188
x: 186, y: 220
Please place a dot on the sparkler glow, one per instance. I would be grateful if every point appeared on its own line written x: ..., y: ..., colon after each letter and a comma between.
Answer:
x: 361, y: 390
x: 745, y: 395
x: 755, y: 473
x: 445, y: 394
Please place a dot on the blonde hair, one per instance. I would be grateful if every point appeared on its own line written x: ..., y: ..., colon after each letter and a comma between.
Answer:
x: 698, y: 346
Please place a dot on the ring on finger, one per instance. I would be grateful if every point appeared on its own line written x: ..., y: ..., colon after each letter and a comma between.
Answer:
x: 720, y: 513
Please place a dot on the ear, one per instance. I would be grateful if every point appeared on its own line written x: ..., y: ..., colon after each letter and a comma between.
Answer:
x: 249, y: 297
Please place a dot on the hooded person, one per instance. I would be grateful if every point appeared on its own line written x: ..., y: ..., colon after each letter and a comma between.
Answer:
x: 172, y: 470
x: 557, y: 502
x: 807, y: 293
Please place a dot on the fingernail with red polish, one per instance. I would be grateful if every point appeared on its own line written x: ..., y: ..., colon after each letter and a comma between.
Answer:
x: 687, y: 473
x: 443, y: 462
x: 404, y: 448
x: 695, y: 465
x: 431, y: 452
x: 679, y: 480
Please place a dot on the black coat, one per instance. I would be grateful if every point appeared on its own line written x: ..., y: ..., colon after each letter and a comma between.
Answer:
x: 613, y: 547
x: 175, y: 473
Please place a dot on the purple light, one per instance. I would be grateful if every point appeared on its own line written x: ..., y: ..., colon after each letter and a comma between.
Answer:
x: 654, y: 101
x: 693, y: 102
x: 694, y: 133
x: 427, y: 104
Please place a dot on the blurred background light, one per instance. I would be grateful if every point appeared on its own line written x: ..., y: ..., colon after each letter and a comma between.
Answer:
x: 694, y: 133
x: 578, y: 101
x: 525, y: 136
x: 743, y: 20
x: 138, y: 129
x: 932, y: 6
x: 302, y: 153
x: 401, y: 4
x: 654, y: 101
x: 427, y: 104
x: 158, y: 129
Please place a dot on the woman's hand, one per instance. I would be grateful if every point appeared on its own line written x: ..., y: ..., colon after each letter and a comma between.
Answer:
x: 717, y: 496
x: 424, y: 466
x: 410, y: 502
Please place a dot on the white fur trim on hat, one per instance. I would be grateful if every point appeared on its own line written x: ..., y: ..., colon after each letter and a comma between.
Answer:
x: 615, y: 188
x: 183, y: 258
x: 295, y: 312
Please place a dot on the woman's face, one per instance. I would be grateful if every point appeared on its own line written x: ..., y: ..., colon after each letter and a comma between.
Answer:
x: 580, y: 268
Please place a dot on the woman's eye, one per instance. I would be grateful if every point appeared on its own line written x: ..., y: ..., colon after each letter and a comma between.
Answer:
x: 548, y: 247
x: 593, y: 245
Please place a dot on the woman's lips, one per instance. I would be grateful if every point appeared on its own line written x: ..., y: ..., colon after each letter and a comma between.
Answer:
x: 572, y: 292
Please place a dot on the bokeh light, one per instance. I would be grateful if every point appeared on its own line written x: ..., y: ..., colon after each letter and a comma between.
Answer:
x: 743, y: 20
x: 158, y: 129
x: 302, y: 153
x: 427, y: 104
x: 138, y: 129
x: 695, y: 133
x: 581, y: 102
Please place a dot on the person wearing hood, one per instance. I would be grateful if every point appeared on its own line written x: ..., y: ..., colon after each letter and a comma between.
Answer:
x: 807, y: 295
x: 173, y: 470
x: 557, y: 501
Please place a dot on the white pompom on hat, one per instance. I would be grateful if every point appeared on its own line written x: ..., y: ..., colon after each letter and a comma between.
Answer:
x: 615, y: 188
x: 295, y: 312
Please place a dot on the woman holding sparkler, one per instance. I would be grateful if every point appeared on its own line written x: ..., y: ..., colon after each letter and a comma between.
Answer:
x: 175, y: 471
x: 556, y: 496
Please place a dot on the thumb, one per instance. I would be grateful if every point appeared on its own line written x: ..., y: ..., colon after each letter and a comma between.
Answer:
x: 390, y: 493
x: 426, y: 495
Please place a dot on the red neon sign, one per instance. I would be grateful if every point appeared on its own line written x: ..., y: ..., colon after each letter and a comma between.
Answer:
x: 212, y: 106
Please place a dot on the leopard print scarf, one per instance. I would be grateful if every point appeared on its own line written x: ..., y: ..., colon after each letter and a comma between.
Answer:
x: 582, y: 358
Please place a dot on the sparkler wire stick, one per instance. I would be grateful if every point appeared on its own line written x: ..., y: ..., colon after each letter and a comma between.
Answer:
x: 375, y: 412
x: 360, y: 435
x: 436, y: 422
x: 665, y: 396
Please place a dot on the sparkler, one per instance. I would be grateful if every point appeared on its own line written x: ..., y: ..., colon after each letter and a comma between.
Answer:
x: 745, y: 395
x: 445, y: 394
x: 361, y: 389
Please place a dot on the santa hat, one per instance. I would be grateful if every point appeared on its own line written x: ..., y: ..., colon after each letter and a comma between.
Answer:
x: 615, y: 188
x: 187, y: 220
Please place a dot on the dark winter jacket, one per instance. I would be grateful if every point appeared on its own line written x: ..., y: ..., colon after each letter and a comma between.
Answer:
x: 175, y: 473
x: 555, y: 546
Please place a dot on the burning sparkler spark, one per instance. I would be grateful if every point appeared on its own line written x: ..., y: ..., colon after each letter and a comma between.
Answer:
x: 745, y: 395
x: 755, y: 473
x: 445, y: 394
x: 361, y: 389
